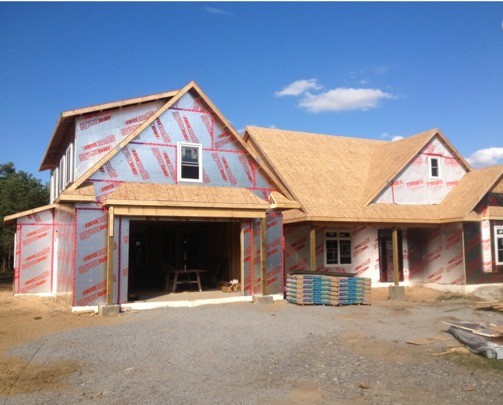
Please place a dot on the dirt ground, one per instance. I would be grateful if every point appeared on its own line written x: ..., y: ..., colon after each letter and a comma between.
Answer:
x: 24, y: 319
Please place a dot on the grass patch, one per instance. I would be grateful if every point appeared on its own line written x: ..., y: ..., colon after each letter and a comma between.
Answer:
x: 451, y: 297
x: 476, y: 362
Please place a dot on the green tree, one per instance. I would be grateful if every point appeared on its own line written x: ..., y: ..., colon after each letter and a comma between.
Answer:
x: 19, y: 191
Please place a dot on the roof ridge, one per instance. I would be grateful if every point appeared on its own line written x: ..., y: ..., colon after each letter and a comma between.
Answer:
x: 346, y: 137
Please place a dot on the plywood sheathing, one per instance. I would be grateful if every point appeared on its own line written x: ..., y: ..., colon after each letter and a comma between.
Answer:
x: 495, y: 213
x: 498, y: 187
x: 84, y: 193
x: 469, y: 191
x: 176, y: 195
x: 278, y: 200
x: 330, y: 177
x: 10, y: 220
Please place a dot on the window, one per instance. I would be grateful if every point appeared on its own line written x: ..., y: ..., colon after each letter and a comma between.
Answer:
x: 190, y: 166
x: 337, y: 248
x: 69, y: 164
x: 434, y: 167
x: 61, y: 175
x: 55, y: 183
x: 498, y: 244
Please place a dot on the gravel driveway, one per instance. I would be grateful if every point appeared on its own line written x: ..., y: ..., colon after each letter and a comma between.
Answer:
x: 263, y: 354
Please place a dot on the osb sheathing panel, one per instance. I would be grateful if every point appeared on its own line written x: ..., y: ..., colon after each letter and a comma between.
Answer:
x: 469, y: 191
x: 182, y: 195
x: 498, y: 188
x: 328, y: 174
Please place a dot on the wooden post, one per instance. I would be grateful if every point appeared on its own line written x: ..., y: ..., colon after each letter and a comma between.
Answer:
x: 110, y: 257
x: 242, y: 257
x: 312, y: 248
x: 396, y: 274
x: 263, y: 256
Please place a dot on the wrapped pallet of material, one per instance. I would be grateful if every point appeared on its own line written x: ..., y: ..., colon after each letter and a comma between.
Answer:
x: 322, y: 289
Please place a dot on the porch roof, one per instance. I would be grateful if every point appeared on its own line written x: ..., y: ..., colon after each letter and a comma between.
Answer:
x: 10, y: 220
x: 184, y: 195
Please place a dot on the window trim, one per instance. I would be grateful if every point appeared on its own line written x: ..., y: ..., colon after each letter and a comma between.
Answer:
x: 69, y: 164
x: 430, y: 167
x: 337, y: 238
x: 496, y: 237
x: 179, y: 147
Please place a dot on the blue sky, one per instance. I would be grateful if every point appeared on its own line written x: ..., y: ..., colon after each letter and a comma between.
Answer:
x: 370, y: 70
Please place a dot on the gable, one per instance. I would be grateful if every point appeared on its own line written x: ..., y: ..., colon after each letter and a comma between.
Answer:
x: 498, y: 187
x: 415, y: 185
x: 98, y: 133
x: 151, y: 157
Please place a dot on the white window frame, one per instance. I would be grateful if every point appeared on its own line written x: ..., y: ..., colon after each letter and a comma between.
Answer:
x: 56, y: 183
x: 62, y: 172
x: 498, y: 234
x: 199, y: 147
x: 430, y: 167
x: 69, y: 164
x: 338, y: 238
x: 53, y: 186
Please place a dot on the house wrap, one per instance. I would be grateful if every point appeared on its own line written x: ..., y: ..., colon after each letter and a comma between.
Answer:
x: 145, y: 185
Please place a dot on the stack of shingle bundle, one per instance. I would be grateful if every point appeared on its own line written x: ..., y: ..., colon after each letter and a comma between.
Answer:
x: 354, y: 290
x: 322, y: 289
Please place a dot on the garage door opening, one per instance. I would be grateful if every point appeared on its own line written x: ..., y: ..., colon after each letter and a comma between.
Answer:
x: 157, y: 249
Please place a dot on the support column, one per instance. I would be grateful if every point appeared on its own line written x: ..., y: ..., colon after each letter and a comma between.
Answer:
x: 396, y: 269
x: 312, y: 248
x: 396, y: 291
x: 110, y: 257
x: 242, y: 257
x: 263, y: 256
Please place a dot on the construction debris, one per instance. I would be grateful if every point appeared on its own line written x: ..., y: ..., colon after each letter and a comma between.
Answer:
x: 494, y: 305
x: 483, y: 338
x: 231, y: 286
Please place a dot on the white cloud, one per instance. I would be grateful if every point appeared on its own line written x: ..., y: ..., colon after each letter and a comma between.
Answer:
x: 215, y: 10
x: 342, y: 99
x: 385, y: 135
x: 486, y: 157
x: 298, y: 87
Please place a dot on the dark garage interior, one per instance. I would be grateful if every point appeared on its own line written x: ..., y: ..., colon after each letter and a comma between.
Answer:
x: 155, y: 247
